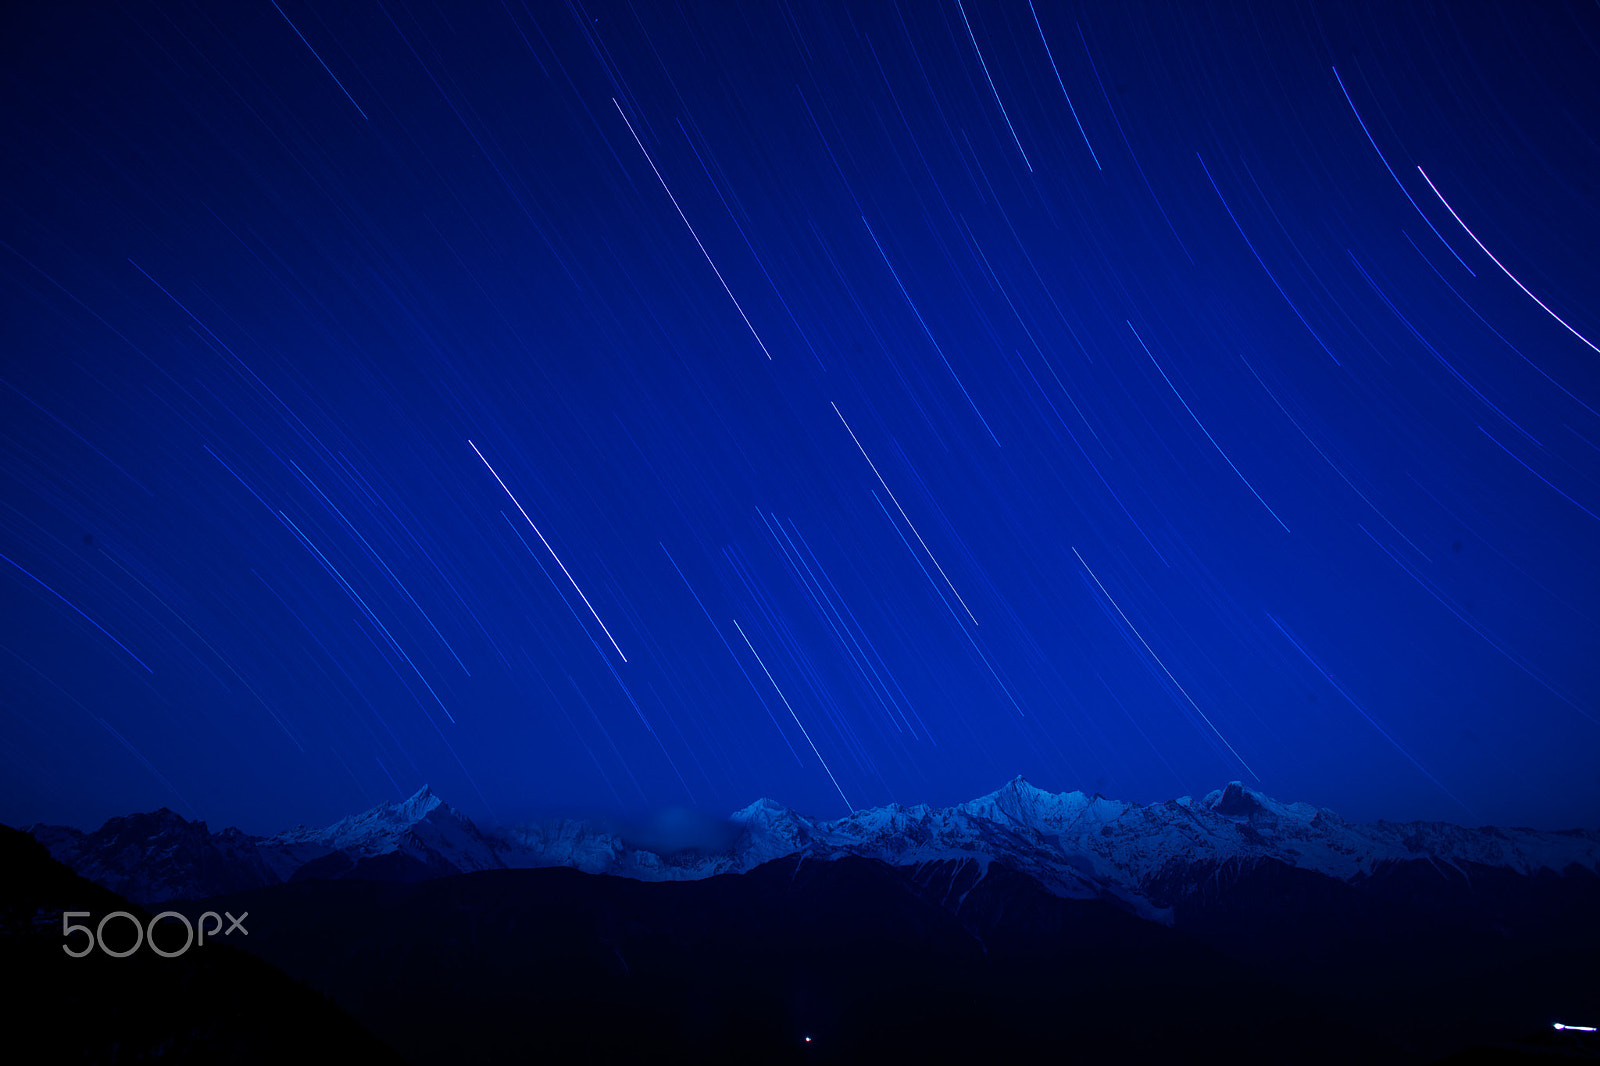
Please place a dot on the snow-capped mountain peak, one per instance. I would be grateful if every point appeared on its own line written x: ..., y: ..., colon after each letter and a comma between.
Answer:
x: 769, y: 818
x: 415, y: 837
x: 1021, y: 804
x: 420, y: 804
x: 383, y: 821
x: 1239, y: 802
x: 761, y: 810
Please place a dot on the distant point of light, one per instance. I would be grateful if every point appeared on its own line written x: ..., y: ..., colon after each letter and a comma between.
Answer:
x: 318, y: 58
x: 692, y: 233
x: 1501, y: 265
x: 1557, y: 1025
x: 553, y: 555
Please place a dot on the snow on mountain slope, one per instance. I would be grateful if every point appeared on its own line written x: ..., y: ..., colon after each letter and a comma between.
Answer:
x: 1134, y: 845
x: 422, y: 828
x: 1145, y: 857
x: 1078, y: 846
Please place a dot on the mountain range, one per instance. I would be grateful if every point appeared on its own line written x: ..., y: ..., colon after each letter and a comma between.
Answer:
x: 1144, y: 858
x: 1229, y: 928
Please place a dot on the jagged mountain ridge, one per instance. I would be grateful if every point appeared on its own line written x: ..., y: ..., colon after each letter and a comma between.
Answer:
x: 1145, y: 858
x: 159, y: 856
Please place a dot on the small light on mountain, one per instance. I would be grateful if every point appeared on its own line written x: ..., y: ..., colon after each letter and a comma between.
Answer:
x: 1577, y: 1028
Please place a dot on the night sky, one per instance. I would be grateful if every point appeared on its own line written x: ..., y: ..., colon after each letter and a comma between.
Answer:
x: 614, y: 407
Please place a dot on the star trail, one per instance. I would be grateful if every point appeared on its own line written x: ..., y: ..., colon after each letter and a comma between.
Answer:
x: 1136, y: 397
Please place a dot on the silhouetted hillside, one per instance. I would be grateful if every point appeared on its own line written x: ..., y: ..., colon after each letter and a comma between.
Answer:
x: 555, y: 965
x: 212, y: 1004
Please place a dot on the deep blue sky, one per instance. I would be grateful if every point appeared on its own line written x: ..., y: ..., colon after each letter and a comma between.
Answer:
x: 900, y: 398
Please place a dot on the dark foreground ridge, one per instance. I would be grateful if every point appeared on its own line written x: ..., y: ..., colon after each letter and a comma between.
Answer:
x: 870, y: 961
x: 215, y: 1004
